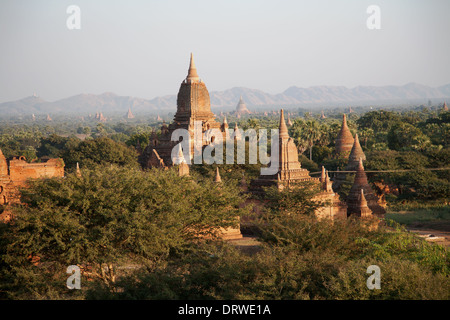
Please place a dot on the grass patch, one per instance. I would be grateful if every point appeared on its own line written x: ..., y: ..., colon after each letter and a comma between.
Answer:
x: 408, y: 217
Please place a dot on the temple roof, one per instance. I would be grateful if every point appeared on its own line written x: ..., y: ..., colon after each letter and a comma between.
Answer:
x: 241, y: 107
x: 357, y: 152
x: 361, y: 177
x: 344, y: 140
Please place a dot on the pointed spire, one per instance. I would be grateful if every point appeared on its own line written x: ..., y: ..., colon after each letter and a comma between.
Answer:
x: 183, y: 168
x: 344, y: 120
x: 179, y: 158
x: 181, y: 155
x: 344, y: 140
x: 363, y: 209
x: 224, y: 127
x: 192, y: 73
x: 289, y: 122
x: 362, y: 199
x: 237, y: 132
x: 217, y: 178
x: 357, y: 151
x: 283, y: 127
x: 361, y: 177
x: 78, y: 171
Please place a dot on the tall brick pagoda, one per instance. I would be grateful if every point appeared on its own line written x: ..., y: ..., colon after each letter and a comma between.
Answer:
x: 344, y: 140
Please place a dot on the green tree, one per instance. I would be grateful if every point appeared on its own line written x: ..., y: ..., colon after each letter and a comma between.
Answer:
x: 311, y: 133
x: 101, y: 151
x: 110, y: 217
x: 404, y: 136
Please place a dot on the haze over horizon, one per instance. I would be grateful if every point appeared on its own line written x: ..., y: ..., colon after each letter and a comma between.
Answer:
x: 141, y: 48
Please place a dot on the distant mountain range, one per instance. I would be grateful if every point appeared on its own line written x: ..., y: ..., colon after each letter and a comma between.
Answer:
x: 318, y: 95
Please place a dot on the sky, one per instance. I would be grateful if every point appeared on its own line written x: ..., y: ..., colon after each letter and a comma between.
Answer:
x: 141, y: 48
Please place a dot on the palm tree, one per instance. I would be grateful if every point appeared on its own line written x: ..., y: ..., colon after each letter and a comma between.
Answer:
x: 311, y: 133
x: 295, y: 132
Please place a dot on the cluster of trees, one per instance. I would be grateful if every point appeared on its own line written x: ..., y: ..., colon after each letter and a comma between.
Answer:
x: 414, y: 140
x: 152, y: 235
x: 392, y: 140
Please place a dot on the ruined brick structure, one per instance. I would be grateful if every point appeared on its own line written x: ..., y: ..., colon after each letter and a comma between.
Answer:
x: 290, y: 173
x: 14, y: 174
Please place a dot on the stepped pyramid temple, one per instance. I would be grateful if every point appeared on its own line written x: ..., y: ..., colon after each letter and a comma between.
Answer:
x: 290, y: 173
x: 344, y: 140
x: 354, y: 197
x: 14, y: 174
x: 241, y: 108
x: 193, y: 104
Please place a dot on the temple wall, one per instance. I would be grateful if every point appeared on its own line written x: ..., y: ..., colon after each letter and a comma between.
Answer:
x: 20, y: 170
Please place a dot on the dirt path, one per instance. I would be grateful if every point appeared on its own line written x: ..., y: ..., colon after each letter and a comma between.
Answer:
x: 439, y: 232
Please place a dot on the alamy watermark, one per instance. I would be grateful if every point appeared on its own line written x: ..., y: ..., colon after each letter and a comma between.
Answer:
x: 73, y: 21
x: 374, y: 20
x: 74, y: 281
x: 213, y: 151
x: 374, y: 281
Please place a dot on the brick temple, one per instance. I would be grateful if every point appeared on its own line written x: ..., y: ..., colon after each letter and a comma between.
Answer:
x: 290, y: 173
x: 193, y: 104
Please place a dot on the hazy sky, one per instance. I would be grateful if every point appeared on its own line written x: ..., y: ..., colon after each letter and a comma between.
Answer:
x: 142, y: 48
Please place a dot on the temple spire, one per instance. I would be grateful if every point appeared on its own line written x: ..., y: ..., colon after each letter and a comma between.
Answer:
x: 322, y: 175
x: 78, y: 171
x: 344, y: 140
x: 283, y: 127
x: 356, y: 153
x: 192, y: 73
x: 217, y: 178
